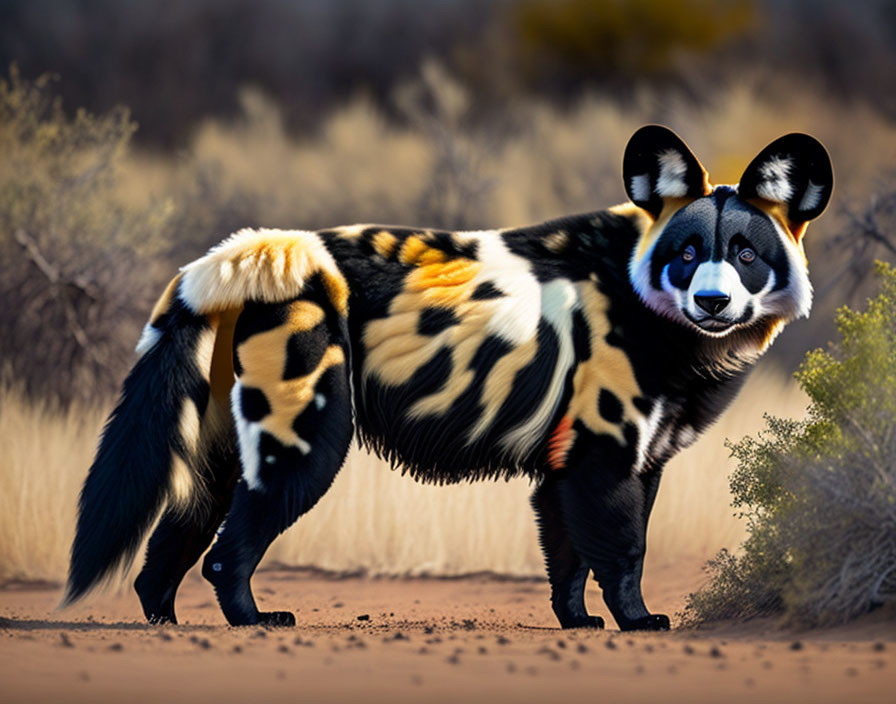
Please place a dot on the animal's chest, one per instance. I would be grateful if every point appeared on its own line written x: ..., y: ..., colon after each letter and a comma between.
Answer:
x: 607, y: 412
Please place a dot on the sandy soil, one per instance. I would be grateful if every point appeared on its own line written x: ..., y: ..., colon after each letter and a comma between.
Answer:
x: 433, y: 640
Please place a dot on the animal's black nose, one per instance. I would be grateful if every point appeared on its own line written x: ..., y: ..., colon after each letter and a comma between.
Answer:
x: 713, y: 302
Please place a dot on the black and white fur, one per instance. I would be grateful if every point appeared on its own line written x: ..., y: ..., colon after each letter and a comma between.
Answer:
x: 583, y: 353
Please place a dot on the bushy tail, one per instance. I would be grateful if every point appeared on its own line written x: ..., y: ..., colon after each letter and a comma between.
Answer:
x: 149, y: 450
x: 175, y: 402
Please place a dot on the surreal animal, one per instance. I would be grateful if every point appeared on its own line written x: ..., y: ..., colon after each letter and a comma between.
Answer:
x: 582, y: 352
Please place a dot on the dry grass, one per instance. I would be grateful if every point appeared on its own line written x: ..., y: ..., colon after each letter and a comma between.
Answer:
x: 372, y: 518
x: 45, y: 459
x: 435, y: 169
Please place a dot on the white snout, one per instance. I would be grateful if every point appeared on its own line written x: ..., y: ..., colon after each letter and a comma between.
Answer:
x: 717, y: 278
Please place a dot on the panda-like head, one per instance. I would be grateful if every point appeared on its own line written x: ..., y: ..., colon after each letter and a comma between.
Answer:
x: 719, y: 259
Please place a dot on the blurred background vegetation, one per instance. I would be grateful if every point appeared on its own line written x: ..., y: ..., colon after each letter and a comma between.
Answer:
x: 177, y: 63
x: 134, y: 134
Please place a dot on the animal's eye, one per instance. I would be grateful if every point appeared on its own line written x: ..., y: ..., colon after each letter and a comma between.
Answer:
x: 689, y: 254
x: 746, y: 255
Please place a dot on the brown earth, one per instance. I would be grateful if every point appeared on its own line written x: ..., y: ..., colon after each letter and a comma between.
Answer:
x: 470, y: 639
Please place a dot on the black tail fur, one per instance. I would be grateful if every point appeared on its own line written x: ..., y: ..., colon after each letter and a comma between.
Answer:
x: 131, y: 475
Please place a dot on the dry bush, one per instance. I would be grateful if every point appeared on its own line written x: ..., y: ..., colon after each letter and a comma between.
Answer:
x: 436, y: 106
x: 869, y: 234
x: 820, y: 495
x: 68, y: 247
x: 374, y: 519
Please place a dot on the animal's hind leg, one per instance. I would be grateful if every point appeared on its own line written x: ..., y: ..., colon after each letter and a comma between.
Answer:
x: 181, y: 537
x: 288, y: 484
x: 293, y: 415
x: 567, y: 573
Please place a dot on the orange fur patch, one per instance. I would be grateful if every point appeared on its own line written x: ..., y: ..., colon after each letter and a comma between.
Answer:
x: 559, y: 444
x: 778, y: 212
x: 337, y: 290
x: 164, y: 303
x: 384, y: 243
x: 444, y: 284
x: 655, y: 229
x: 263, y: 358
x: 415, y: 252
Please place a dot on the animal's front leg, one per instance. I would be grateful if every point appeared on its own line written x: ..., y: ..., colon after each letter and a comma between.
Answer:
x: 606, y: 511
x: 566, y: 571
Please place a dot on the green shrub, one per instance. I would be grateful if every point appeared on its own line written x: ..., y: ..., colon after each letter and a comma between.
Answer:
x: 71, y: 277
x: 819, y: 496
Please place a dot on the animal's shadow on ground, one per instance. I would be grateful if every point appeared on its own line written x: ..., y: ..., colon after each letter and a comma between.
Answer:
x: 26, y: 624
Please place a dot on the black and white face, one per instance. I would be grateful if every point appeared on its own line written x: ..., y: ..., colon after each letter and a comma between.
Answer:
x: 721, y: 263
x: 721, y: 259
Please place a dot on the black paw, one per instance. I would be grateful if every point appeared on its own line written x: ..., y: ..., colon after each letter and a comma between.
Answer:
x: 158, y: 605
x: 653, y: 622
x: 583, y: 622
x: 277, y: 619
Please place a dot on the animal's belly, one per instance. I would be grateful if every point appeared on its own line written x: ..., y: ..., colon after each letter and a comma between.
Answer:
x: 454, y: 381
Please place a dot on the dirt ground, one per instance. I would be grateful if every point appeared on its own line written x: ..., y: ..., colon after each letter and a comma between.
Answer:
x: 420, y: 640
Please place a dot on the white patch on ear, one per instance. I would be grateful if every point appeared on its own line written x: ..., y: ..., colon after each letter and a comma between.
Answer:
x: 640, y: 187
x: 671, y: 183
x: 812, y: 196
x: 775, y: 185
x: 148, y: 339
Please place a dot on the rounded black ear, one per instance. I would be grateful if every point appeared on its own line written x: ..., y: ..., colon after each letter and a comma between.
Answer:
x: 795, y: 171
x: 659, y: 165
